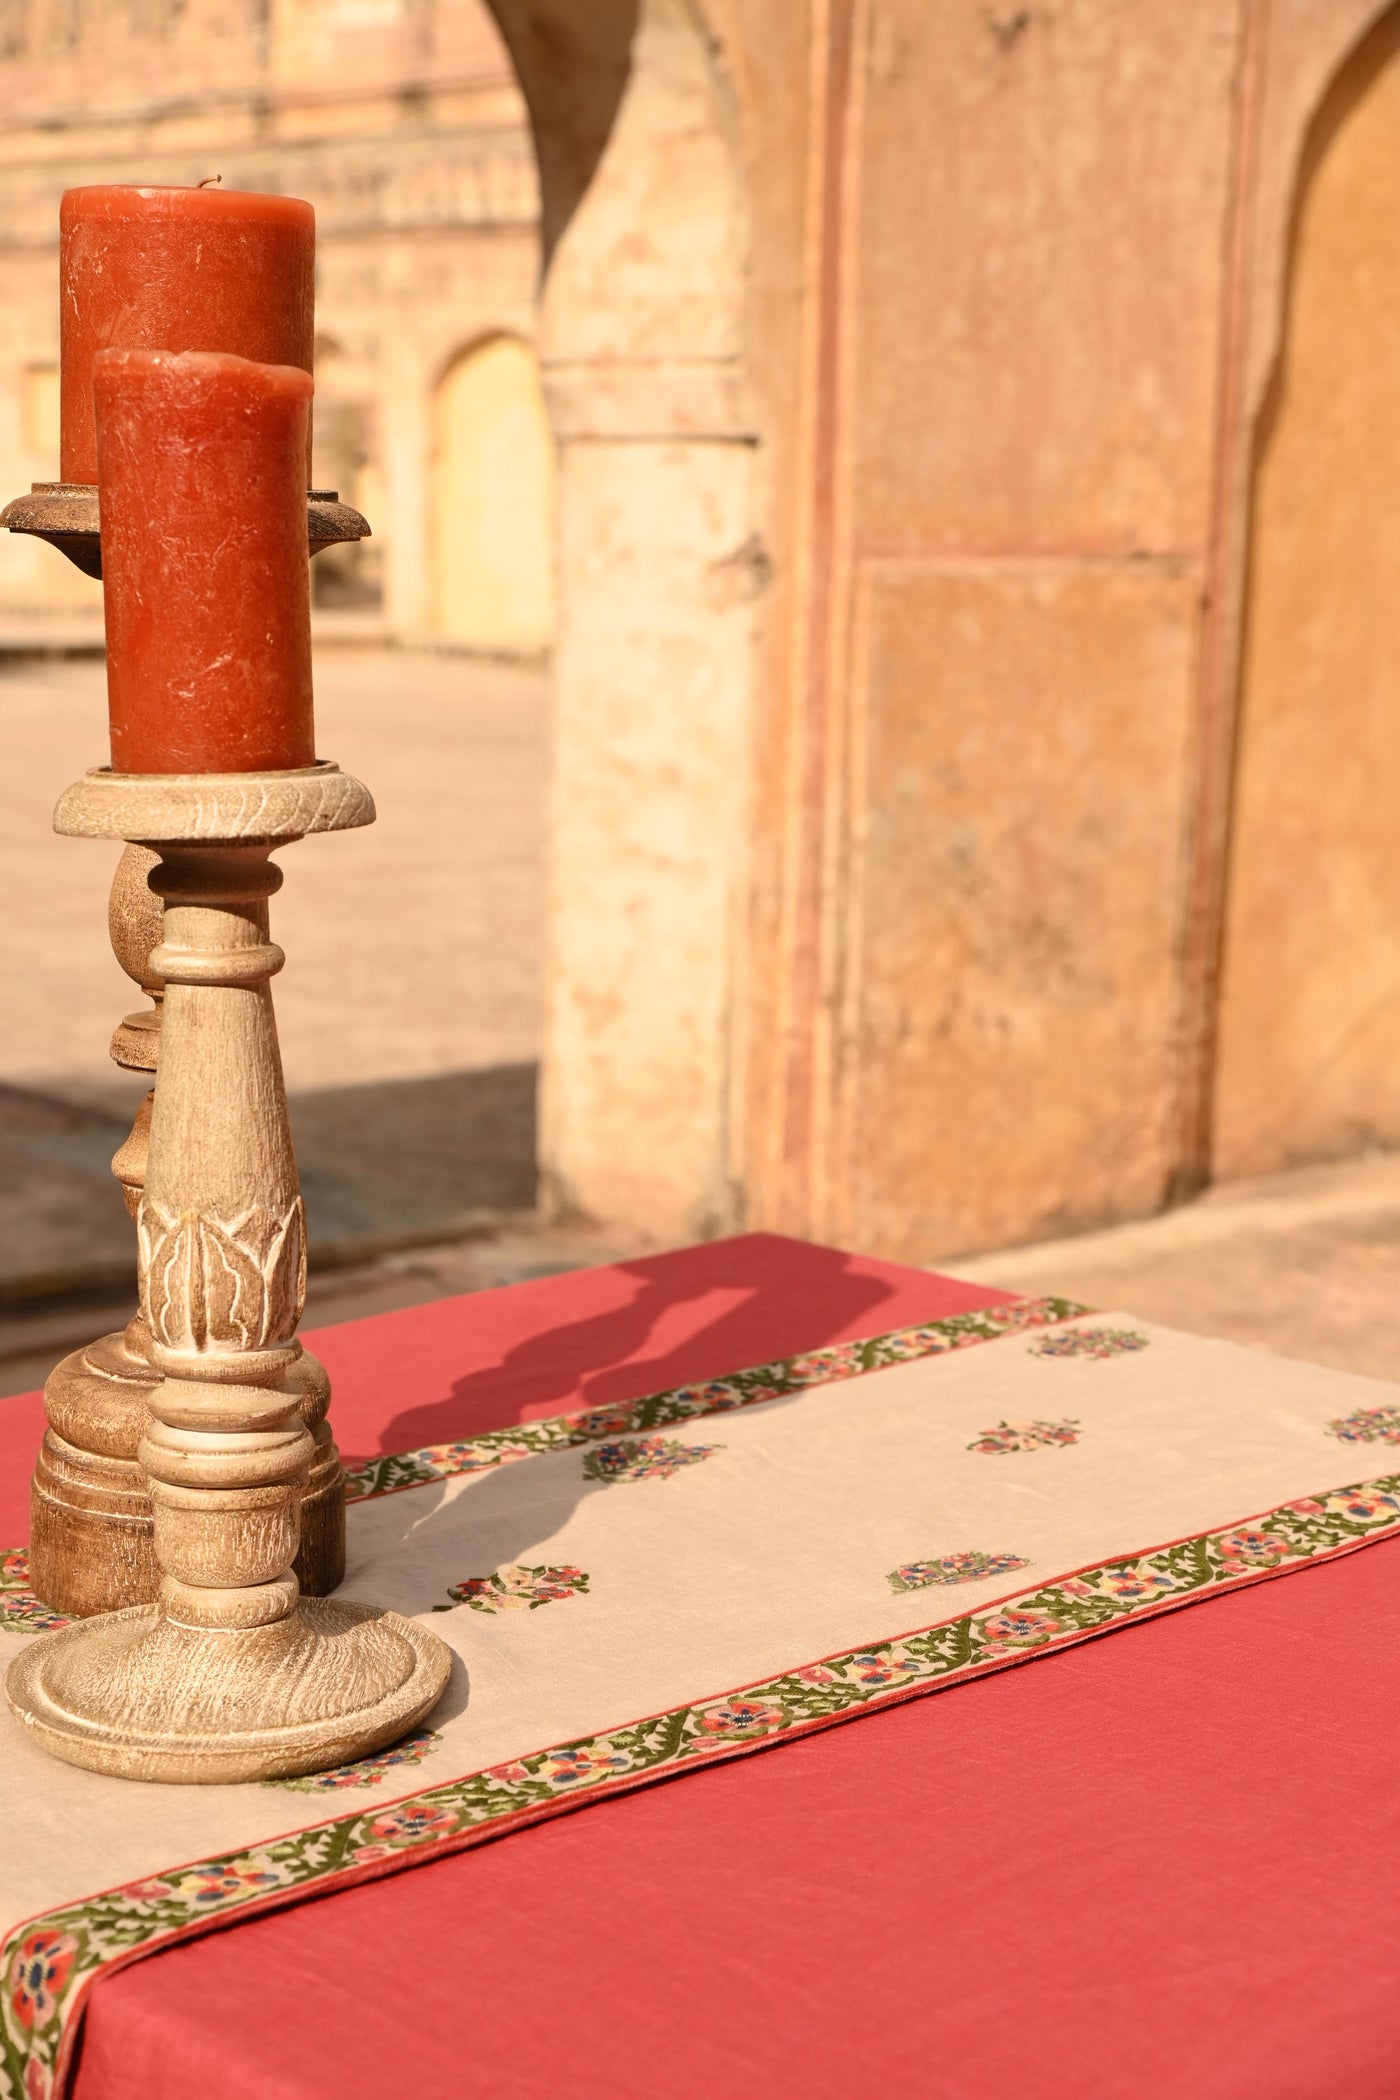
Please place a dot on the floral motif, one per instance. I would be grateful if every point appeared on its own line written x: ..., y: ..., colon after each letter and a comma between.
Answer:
x: 1026, y: 1436
x: 366, y: 1771
x: 580, y: 1765
x: 205, y: 1887
x: 48, y: 1961
x: 517, y: 1589
x: 1249, y: 1548
x: 25, y: 1614
x: 38, y: 1973
x: 952, y: 1568
x: 412, y: 1824
x: 244, y: 1275
x: 1135, y: 1582
x: 876, y: 1666
x: 1364, y: 1505
x: 736, y: 1717
x: 686, y: 1403
x: 20, y: 1610
x: 644, y: 1458
x: 1019, y: 1628
x: 1368, y: 1425
x: 1101, y: 1342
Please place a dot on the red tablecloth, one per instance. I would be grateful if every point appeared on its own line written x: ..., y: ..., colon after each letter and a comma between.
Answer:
x: 1158, y: 1864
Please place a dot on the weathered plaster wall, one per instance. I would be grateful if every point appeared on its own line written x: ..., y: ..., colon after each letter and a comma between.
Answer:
x: 1036, y: 341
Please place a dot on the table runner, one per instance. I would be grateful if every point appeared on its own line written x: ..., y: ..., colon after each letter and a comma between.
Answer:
x: 1184, y: 1430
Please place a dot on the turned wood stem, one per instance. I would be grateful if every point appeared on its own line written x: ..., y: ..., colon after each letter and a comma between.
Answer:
x: 223, y: 1249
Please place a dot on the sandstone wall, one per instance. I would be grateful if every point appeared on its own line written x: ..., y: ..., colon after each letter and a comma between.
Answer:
x: 891, y: 897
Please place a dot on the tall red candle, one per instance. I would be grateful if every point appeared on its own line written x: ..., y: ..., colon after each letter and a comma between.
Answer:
x: 177, y: 269
x: 205, y: 577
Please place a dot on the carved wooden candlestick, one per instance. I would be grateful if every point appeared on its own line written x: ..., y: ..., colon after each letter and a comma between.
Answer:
x: 231, y: 1675
x: 91, y: 1547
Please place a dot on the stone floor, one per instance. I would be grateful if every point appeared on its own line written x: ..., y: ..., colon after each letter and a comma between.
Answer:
x: 409, y: 1010
x: 1306, y: 1264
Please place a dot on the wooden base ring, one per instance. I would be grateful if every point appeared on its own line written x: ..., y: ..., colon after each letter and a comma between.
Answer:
x: 137, y: 1695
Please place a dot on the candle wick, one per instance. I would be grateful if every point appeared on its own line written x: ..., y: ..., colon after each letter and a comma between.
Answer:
x: 208, y: 179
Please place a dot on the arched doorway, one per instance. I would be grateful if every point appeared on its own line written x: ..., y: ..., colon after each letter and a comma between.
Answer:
x: 493, y: 502
x: 1309, y: 1044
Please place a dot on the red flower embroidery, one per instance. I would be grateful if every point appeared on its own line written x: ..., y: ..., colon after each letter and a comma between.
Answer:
x: 1017, y: 1629
x: 738, y: 1717
x: 1248, y: 1548
x: 39, y: 1973
x: 412, y: 1826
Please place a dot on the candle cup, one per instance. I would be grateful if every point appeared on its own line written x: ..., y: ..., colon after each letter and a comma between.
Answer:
x: 159, y: 267
x: 65, y: 514
x: 231, y: 1675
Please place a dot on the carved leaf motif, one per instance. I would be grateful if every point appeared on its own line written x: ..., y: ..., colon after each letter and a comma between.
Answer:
x: 225, y: 1283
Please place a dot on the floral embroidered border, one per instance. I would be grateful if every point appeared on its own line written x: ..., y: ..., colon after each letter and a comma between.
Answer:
x: 685, y: 1403
x: 47, y: 1963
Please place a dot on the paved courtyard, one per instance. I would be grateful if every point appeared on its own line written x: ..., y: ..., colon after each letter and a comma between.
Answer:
x: 409, y: 1010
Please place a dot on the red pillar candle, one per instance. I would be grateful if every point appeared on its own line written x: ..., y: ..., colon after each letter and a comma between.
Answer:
x: 205, y: 577
x: 177, y: 269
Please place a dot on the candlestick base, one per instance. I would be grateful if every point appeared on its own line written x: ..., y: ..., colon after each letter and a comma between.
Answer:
x: 65, y: 514
x: 139, y: 1695
x: 91, y: 1528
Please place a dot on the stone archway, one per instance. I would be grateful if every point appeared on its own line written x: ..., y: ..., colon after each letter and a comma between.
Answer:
x: 660, y: 565
x: 1309, y: 1031
x: 492, y: 496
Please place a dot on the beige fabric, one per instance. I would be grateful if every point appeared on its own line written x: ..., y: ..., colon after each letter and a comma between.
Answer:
x: 773, y: 1552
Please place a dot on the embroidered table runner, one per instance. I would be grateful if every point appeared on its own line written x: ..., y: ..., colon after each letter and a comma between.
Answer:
x: 635, y: 1589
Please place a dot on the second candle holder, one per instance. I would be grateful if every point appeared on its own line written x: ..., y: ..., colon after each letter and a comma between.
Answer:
x: 232, y: 1675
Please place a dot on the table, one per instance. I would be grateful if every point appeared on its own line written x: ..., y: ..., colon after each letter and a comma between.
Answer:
x: 1155, y: 1864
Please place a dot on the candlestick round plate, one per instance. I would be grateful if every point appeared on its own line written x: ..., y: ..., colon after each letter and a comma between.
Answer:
x: 167, y: 807
x: 65, y: 514
x: 137, y: 1695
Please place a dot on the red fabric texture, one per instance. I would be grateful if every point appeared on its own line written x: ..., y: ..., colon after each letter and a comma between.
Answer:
x: 1158, y: 1865
x: 1153, y: 1865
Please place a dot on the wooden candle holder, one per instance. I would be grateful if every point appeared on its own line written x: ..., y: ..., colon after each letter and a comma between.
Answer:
x: 231, y: 1675
x: 91, y: 1545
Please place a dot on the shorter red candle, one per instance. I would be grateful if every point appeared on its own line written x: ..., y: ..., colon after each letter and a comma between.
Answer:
x: 151, y: 268
x: 201, y: 470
